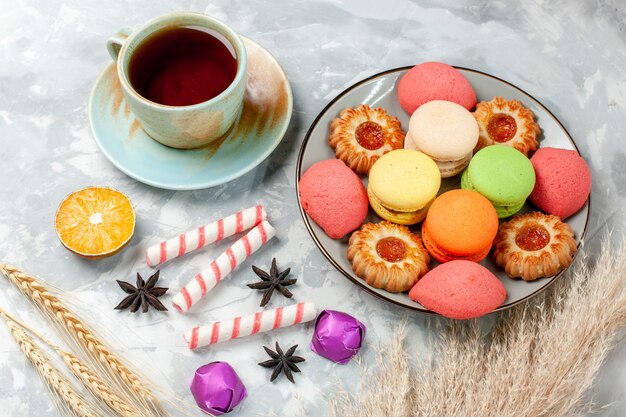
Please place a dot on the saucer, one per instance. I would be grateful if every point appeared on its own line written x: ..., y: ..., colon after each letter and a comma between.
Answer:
x: 266, y: 114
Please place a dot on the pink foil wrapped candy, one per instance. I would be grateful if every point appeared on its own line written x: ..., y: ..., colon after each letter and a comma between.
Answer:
x: 337, y: 336
x: 217, y: 389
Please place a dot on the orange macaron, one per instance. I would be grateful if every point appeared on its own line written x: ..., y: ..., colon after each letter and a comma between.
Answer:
x: 460, y: 224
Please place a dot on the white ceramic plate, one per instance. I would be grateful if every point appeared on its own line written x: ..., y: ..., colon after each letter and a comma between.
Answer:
x: 380, y: 90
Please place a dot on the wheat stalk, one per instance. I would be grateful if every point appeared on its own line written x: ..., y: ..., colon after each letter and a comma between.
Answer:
x: 98, y: 387
x: 50, y: 304
x: 89, y: 379
x: 73, y: 402
x: 116, y: 377
x: 538, y: 360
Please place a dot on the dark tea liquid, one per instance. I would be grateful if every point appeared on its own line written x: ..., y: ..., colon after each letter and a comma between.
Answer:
x: 181, y: 66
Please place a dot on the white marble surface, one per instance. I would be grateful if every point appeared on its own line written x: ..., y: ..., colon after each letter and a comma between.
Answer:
x: 570, y: 55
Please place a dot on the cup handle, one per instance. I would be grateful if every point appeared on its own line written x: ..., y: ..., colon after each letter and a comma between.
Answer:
x: 115, y: 42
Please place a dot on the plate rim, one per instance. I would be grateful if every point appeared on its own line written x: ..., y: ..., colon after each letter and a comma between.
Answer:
x: 209, y: 183
x: 360, y: 283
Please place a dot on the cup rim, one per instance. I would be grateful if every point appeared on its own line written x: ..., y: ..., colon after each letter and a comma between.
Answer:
x: 238, y: 45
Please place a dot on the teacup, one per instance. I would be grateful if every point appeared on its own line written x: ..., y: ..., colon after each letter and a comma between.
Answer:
x: 182, y: 126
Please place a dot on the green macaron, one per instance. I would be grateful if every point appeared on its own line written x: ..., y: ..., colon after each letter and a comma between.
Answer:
x: 503, y: 175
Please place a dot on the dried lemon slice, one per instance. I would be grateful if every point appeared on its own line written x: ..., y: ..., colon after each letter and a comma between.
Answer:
x: 95, y: 222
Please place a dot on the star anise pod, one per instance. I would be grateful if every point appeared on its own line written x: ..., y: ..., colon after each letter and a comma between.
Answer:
x: 273, y: 281
x: 144, y: 295
x: 282, y: 361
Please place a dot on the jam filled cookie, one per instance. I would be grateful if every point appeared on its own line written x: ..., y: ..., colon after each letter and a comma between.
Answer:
x: 361, y: 135
x: 388, y: 256
x: 506, y: 122
x: 534, y: 245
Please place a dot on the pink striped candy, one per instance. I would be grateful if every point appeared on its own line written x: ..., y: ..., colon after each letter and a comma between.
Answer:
x: 222, y: 266
x: 259, y: 322
x: 205, y: 235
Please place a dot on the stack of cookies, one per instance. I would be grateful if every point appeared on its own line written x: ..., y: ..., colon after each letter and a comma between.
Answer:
x: 491, y: 149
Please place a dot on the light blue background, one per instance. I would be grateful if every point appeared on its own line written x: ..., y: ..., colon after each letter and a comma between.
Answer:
x: 569, y: 55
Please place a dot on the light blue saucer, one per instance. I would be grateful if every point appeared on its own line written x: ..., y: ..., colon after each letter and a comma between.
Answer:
x: 261, y: 127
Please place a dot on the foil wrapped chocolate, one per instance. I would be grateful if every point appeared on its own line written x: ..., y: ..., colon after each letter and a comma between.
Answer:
x: 217, y: 389
x: 338, y: 336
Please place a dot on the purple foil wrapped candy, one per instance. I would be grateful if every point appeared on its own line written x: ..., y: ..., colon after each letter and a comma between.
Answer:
x: 217, y: 389
x: 338, y: 336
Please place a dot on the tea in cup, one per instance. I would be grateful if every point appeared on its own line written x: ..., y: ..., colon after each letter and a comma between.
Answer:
x: 184, y: 77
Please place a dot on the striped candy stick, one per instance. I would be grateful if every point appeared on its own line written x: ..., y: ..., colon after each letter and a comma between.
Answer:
x: 223, y: 265
x: 205, y: 235
x: 262, y: 321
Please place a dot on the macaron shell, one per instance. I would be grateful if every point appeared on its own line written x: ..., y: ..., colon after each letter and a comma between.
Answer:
x: 459, y: 290
x: 434, y: 81
x: 503, y: 210
x: 444, y: 130
x: 447, y: 169
x: 466, y: 183
x: 334, y: 196
x: 406, y: 218
x: 408, y: 142
x: 563, y: 181
x: 442, y: 256
x: 404, y: 180
x: 501, y: 173
x: 461, y: 223
x: 451, y: 168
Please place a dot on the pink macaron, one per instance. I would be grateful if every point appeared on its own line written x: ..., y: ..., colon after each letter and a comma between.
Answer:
x: 563, y: 181
x: 459, y: 290
x: 434, y: 81
x: 334, y: 196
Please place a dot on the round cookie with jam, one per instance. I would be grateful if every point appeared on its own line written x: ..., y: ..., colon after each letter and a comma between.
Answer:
x: 388, y: 256
x: 506, y: 122
x: 363, y: 134
x: 534, y: 245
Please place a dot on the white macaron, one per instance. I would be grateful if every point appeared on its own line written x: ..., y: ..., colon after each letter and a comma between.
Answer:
x: 445, y: 131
